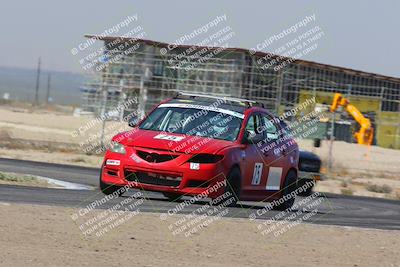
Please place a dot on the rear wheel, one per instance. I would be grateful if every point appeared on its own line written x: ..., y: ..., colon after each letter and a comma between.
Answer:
x: 287, y: 199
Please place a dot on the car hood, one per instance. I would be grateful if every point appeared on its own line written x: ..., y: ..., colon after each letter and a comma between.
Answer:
x: 172, y: 142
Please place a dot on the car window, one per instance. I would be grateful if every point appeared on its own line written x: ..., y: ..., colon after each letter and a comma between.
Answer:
x: 253, y: 124
x: 172, y: 119
x: 285, y: 129
x: 153, y: 120
x: 190, y: 121
x: 270, y: 128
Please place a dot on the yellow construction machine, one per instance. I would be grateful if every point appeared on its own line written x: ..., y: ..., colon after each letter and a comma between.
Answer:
x: 365, y: 135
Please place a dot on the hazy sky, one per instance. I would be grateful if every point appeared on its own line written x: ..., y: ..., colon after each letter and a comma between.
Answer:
x: 362, y: 35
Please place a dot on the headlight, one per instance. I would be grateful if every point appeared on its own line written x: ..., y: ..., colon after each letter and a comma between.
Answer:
x: 205, y: 158
x: 117, y: 148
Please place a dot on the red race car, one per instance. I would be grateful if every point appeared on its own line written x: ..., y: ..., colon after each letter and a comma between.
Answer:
x: 205, y: 145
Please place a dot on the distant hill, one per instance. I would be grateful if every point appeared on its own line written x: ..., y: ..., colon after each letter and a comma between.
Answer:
x: 21, y: 84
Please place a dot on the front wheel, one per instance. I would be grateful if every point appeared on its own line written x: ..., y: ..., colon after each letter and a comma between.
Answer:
x: 308, y: 189
x: 232, y: 189
x: 288, y: 198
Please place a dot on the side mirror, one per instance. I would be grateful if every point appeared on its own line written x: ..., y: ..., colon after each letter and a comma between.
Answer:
x: 252, y: 138
x: 133, y: 121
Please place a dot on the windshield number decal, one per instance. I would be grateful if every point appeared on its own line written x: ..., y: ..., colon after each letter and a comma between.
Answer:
x: 169, y: 137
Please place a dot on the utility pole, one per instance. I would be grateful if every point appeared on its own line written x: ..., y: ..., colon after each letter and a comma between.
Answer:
x: 37, y: 84
x: 48, y: 88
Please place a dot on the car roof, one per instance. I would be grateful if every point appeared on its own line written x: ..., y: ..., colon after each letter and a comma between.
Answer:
x: 237, y: 107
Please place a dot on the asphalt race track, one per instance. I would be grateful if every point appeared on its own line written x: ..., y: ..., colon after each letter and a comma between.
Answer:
x: 333, y: 209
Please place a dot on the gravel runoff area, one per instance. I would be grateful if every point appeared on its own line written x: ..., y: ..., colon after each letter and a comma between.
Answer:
x: 47, y: 236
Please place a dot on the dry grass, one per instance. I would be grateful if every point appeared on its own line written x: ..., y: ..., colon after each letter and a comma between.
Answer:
x: 344, y: 184
x: 39, y: 145
x: 78, y: 159
x: 21, y: 179
x: 347, y: 191
x: 16, y: 178
x: 385, y: 189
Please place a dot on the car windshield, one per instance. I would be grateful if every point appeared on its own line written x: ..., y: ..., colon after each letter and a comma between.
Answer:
x: 194, y: 121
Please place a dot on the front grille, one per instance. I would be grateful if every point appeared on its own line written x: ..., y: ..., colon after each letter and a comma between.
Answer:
x: 153, y: 178
x: 309, y: 165
x: 201, y: 184
x: 155, y: 157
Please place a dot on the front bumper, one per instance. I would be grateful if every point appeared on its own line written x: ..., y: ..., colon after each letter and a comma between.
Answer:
x: 174, y: 176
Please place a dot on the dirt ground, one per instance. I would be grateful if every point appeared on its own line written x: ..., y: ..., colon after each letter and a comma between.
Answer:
x: 357, y: 159
x: 52, y: 157
x: 55, y: 127
x: 47, y: 236
x: 356, y: 169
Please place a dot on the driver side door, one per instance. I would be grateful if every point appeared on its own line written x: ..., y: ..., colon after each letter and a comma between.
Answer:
x: 254, y: 162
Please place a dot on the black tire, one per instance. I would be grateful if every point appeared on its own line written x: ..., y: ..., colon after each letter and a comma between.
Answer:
x: 308, y: 191
x: 108, y: 189
x: 233, y: 186
x: 289, y: 187
x: 172, y: 196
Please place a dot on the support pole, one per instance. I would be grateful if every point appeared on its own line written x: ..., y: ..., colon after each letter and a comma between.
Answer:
x: 103, y: 117
x: 37, y: 84
x: 143, y: 94
x: 279, y: 92
x: 331, y: 139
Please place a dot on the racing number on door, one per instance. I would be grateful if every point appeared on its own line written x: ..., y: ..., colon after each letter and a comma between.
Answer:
x: 257, y: 174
